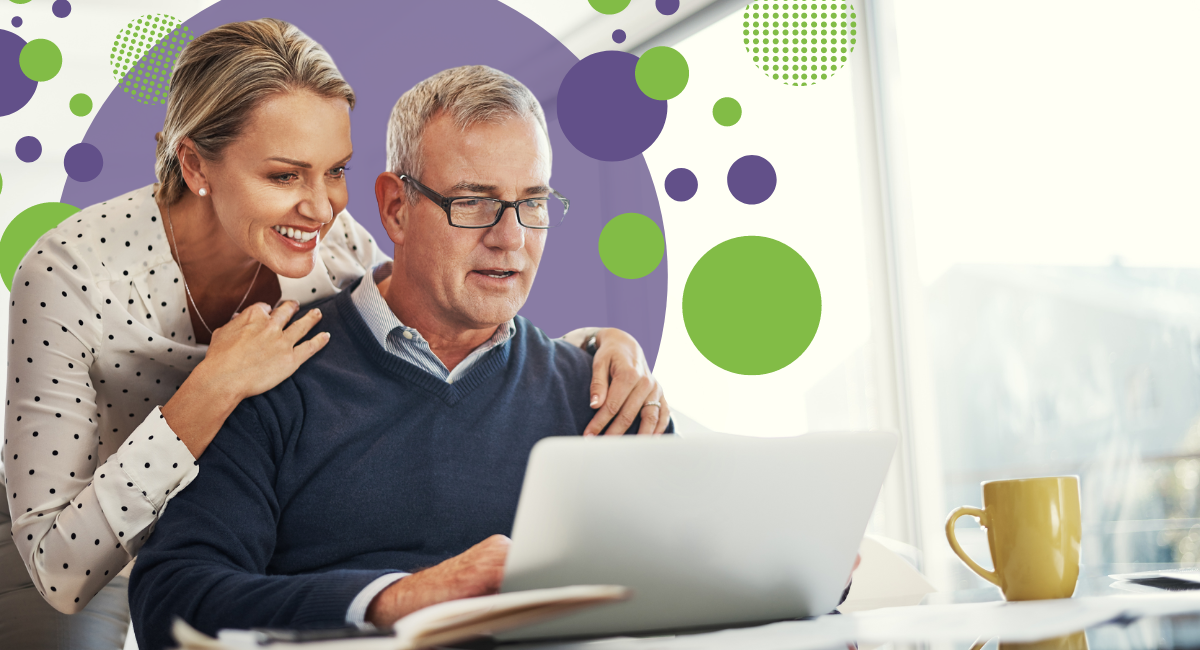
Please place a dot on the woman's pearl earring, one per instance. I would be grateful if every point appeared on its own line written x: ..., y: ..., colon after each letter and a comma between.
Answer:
x: 203, y: 192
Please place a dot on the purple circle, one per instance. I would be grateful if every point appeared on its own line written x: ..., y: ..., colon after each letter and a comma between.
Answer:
x: 83, y: 162
x: 603, y: 112
x: 681, y: 184
x: 619, y: 36
x: 16, y: 21
x: 571, y: 273
x: 62, y: 8
x: 15, y: 88
x: 751, y: 179
x: 29, y: 149
x: 667, y: 7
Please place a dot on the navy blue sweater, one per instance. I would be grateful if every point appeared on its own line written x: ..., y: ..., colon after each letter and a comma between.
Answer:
x: 358, y: 465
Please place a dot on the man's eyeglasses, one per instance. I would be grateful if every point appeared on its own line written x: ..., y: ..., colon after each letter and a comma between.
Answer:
x: 484, y: 212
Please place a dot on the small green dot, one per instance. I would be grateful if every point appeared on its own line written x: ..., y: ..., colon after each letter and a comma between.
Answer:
x: 727, y: 111
x: 609, y: 7
x: 81, y: 104
x: 631, y: 246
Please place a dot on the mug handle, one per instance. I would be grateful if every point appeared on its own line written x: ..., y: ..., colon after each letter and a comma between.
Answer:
x: 990, y: 576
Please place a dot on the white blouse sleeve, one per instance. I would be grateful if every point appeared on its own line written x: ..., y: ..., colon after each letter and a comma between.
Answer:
x: 76, y: 522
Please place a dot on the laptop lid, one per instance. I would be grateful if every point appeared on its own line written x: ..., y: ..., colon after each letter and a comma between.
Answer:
x: 706, y: 532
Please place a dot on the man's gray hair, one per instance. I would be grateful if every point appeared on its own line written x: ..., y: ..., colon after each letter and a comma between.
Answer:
x: 470, y: 94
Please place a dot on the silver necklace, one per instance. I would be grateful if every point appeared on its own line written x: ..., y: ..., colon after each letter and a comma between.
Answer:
x: 189, y: 291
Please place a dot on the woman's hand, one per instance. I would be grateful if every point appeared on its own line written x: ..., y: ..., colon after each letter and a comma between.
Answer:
x: 249, y: 355
x: 622, y: 387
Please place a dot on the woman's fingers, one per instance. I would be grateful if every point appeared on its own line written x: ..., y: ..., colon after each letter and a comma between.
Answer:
x: 631, y: 407
x: 307, y: 349
x: 301, y: 327
x: 622, y: 384
x: 664, y: 414
x: 284, y: 312
x: 652, y: 414
x: 599, y: 388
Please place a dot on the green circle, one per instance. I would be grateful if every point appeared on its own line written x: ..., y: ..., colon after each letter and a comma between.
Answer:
x: 662, y: 73
x: 609, y: 7
x: 751, y: 305
x: 20, y: 2
x: 40, y: 60
x: 631, y: 245
x: 727, y: 111
x: 24, y: 231
x: 1, y: 183
x: 81, y: 104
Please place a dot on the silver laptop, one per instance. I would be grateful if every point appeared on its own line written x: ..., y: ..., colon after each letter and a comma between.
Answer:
x: 714, y: 531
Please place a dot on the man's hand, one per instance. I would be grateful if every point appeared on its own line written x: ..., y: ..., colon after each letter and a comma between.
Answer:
x: 476, y: 572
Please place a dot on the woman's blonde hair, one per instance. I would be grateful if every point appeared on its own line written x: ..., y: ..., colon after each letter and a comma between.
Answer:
x: 223, y: 75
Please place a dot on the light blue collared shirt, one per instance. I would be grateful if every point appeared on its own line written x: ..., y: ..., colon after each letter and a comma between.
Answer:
x: 407, y: 343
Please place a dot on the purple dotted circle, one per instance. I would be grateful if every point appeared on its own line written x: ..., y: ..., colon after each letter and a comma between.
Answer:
x: 751, y: 179
x: 29, y: 149
x: 16, y: 21
x: 602, y: 111
x: 83, y: 162
x: 62, y: 8
x: 666, y: 7
x: 619, y: 36
x: 681, y: 184
x: 15, y: 88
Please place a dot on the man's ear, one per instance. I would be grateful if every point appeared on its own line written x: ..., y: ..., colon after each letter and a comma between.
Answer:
x: 192, y: 166
x: 393, y: 205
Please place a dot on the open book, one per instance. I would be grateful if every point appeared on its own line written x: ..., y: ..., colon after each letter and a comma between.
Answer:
x: 449, y: 622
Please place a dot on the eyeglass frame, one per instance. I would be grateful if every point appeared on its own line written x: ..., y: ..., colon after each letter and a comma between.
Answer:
x: 444, y: 203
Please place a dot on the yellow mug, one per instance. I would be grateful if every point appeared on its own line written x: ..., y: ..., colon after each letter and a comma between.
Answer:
x: 1033, y: 533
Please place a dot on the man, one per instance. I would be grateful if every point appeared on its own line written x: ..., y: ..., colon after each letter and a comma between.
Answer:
x: 402, y: 445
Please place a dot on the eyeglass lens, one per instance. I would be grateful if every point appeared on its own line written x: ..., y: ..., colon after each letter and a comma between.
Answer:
x: 537, y: 213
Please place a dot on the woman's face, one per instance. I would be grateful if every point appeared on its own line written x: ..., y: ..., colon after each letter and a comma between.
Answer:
x: 277, y: 188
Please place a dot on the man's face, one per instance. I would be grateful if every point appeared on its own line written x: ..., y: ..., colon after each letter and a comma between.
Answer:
x: 476, y: 278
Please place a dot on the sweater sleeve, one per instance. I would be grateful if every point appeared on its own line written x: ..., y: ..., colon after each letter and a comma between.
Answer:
x: 76, y: 522
x: 207, y: 562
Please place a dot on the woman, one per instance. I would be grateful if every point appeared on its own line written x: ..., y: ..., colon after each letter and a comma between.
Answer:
x: 161, y: 296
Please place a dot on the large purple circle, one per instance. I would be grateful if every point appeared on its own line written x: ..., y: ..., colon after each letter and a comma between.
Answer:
x: 666, y: 7
x: 604, y: 113
x: 83, y: 162
x: 573, y: 288
x: 681, y: 184
x: 15, y: 88
x: 62, y: 8
x: 751, y: 179
x: 29, y: 149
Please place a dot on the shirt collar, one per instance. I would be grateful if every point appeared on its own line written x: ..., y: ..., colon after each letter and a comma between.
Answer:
x: 384, y: 323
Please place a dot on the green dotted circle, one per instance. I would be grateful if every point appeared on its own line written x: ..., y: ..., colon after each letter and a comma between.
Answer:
x: 661, y: 73
x: 24, y: 231
x: 751, y: 305
x: 81, y: 104
x: 631, y: 245
x: 40, y: 60
x: 800, y: 43
x: 727, y: 111
x: 609, y: 7
x: 20, y: 2
x: 144, y: 56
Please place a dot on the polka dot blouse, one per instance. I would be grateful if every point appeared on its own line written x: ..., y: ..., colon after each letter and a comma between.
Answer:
x: 99, y: 339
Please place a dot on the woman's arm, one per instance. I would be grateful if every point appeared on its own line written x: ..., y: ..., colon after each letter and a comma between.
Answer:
x: 74, y: 532
x: 622, y: 385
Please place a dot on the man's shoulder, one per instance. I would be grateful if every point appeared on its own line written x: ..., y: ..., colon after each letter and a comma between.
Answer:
x: 533, y: 341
